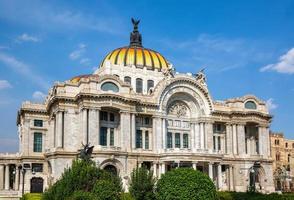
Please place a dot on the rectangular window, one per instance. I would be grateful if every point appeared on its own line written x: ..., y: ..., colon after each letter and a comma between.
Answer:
x: 37, y: 167
x: 219, y: 143
x: 147, y: 120
x: 177, y: 140
x: 103, y: 136
x: 103, y: 116
x: 111, y: 117
x: 139, y: 139
x: 37, y: 142
x: 178, y: 123
x: 111, y: 136
x: 185, y: 141
x: 38, y: 123
x: 146, y: 140
x: 169, y: 143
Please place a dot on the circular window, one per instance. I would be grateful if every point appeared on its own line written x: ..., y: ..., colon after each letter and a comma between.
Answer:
x: 109, y: 86
x: 250, y: 105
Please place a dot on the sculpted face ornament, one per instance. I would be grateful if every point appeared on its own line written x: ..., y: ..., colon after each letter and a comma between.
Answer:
x: 179, y: 109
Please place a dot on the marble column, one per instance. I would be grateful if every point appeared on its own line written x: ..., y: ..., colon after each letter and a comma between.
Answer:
x: 229, y: 139
x: 6, y: 186
x: 202, y: 139
x: 241, y: 138
x: 162, y: 168
x: 58, y: 138
x: 231, y: 178
x: 209, y: 136
x: 154, y: 169
x: 163, y: 133
x: 133, y: 125
x: 219, y: 176
x: 192, y: 136
x: 85, y: 126
x: 154, y: 136
x: 197, y: 136
x: 194, y: 165
x: 16, y: 184
x: 235, y: 143
x: 260, y: 140
x: 2, y: 177
x: 210, y: 170
x: 98, y: 127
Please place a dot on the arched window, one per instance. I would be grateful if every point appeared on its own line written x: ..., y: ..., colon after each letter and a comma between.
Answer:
x: 139, y: 85
x: 109, y: 86
x: 150, y: 84
x: 111, y: 169
x: 250, y: 105
x: 128, y: 80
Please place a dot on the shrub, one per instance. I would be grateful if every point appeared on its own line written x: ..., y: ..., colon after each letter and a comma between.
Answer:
x: 126, y: 196
x: 253, y: 196
x: 142, y: 184
x: 106, y: 190
x: 81, y: 195
x: 82, y: 176
x: 32, y: 196
x: 185, y: 184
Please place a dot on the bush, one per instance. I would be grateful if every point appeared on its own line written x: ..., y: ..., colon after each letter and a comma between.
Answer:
x: 185, y: 184
x: 142, y: 184
x: 81, y: 195
x: 253, y: 196
x: 32, y: 196
x: 82, y: 176
x: 126, y: 196
x: 106, y: 190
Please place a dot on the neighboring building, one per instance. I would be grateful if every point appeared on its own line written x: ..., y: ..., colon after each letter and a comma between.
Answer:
x: 137, y: 111
x: 282, y: 152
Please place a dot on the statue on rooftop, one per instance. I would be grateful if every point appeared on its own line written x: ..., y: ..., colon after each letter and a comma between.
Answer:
x: 135, y: 37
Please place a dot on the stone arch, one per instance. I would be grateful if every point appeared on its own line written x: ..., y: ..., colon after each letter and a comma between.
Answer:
x: 259, y: 177
x: 112, y: 162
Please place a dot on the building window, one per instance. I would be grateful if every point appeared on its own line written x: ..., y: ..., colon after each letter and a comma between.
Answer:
x: 277, y: 156
x: 169, y: 143
x: 146, y: 139
x: 250, y: 105
x: 286, y: 144
x: 185, y: 141
x: 147, y: 120
x: 177, y: 140
x: 37, y: 142
x: 139, y: 139
x: 103, y: 116
x: 218, y: 128
x: 289, y: 156
x: 111, y: 117
x: 109, y: 86
x: 103, y: 136
x: 37, y: 167
x: 139, y: 85
x: 150, y: 84
x: 128, y: 80
x: 38, y: 123
x: 111, y: 137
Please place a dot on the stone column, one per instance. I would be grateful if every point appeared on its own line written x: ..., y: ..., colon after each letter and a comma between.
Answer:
x: 159, y: 134
x: 154, y: 169
x: 229, y: 139
x: 197, y: 136
x: 154, y: 134
x: 1, y: 177
x: 209, y: 136
x: 84, y: 125
x: 231, y: 178
x: 194, y: 164
x: 202, y: 139
x: 16, y: 185
x: 98, y: 126
x: 20, y: 180
x: 235, y: 145
x: 133, y: 125
x: 163, y: 133
x: 58, y: 129
x: 268, y: 142
x: 210, y: 170
x: 162, y: 168
x: 219, y: 176
x: 6, y: 186
x: 192, y: 133
x: 143, y: 139
x: 216, y: 143
x: 241, y: 139
x: 93, y: 126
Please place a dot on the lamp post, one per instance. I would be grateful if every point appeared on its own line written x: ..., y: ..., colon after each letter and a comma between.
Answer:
x: 23, y: 171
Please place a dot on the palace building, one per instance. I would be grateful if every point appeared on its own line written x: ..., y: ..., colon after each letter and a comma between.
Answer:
x: 137, y: 111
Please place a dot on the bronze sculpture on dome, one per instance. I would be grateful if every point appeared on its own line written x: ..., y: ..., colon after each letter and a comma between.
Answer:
x: 135, y: 37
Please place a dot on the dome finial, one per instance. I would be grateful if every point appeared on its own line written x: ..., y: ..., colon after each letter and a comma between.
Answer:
x: 135, y: 37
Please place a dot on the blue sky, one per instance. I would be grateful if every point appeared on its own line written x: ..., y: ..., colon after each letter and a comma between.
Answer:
x: 247, y: 47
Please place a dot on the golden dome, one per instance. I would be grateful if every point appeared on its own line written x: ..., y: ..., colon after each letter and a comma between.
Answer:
x: 138, y: 56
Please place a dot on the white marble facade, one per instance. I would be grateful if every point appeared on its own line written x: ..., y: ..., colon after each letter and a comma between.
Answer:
x: 174, y: 123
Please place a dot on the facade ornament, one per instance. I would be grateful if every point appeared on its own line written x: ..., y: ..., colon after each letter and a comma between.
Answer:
x: 179, y: 109
x: 169, y: 72
x: 86, y: 152
x: 200, y: 77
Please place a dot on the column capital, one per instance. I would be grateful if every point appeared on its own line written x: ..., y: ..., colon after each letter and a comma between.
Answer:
x: 194, y: 162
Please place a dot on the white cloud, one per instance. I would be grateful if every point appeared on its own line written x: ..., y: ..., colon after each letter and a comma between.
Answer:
x: 39, y: 96
x: 27, y: 38
x: 78, y: 54
x: 270, y: 104
x: 4, y: 84
x: 284, y: 65
x: 23, y: 69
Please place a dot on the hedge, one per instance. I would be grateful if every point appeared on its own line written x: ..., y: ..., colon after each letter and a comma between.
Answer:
x: 253, y: 196
x: 32, y: 196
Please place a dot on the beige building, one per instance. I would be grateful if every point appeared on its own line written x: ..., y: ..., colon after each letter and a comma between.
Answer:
x: 282, y: 152
x: 136, y: 110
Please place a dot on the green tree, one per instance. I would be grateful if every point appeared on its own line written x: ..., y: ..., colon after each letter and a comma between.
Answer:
x: 185, y: 184
x: 142, y: 184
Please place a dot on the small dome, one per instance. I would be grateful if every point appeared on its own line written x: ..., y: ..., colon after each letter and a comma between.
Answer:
x: 138, y: 56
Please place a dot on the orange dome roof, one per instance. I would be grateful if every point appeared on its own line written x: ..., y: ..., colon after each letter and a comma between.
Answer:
x: 138, y: 56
